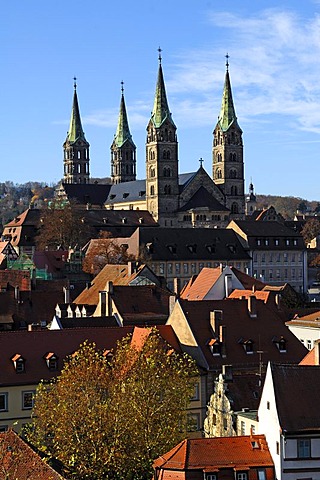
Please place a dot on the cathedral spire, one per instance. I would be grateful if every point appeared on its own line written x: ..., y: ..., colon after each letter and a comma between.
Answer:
x: 160, y: 110
x: 227, y: 113
x: 76, y: 148
x: 123, y: 149
x: 75, y: 129
x: 123, y: 131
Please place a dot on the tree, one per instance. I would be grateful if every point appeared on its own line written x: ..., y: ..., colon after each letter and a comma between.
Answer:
x: 311, y: 229
x: 62, y: 226
x: 111, y: 418
x: 102, y: 251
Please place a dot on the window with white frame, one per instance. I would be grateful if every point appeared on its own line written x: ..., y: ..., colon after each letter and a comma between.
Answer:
x: 195, y: 395
x: 242, y: 476
x: 28, y: 399
x: 4, y: 402
x: 211, y: 476
x: 261, y: 474
x: 304, y: 448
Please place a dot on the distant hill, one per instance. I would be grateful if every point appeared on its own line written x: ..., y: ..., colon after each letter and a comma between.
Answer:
x: 288, y: 206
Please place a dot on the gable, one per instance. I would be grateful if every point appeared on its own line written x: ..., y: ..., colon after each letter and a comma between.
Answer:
x: 201, y: 178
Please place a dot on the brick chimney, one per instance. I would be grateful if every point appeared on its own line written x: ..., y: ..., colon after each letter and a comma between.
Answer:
x: 252, y: 306
x: 176, y: 286
x: 228, y: 285
x: 66, y: 292
x: 222, y: 340
x: 215, y: 320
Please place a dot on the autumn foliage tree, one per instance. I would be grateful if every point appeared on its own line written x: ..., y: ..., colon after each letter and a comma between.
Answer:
x: 62, y: 227
x: 110, y: 418
x: 102, y: 251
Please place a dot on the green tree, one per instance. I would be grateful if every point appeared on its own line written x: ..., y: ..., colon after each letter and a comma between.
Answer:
x: 111, y: 418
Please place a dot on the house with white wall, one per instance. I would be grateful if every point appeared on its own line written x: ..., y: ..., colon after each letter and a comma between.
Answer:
x: 289, y: 417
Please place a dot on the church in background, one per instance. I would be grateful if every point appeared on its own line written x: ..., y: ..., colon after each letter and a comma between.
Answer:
x: 174, y: 199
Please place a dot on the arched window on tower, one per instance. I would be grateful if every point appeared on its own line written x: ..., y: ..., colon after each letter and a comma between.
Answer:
x: 233, y: 174
x: 167, y: 172
x: 219, y: 157
x: 152, y: 190
x: 167, y: 189
x: 218, y: 173
x: 152, y: 172
x: 234, y: 190
x: 234, y: 208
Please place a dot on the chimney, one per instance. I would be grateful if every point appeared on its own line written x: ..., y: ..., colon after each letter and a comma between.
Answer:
x: 317, y: 352
x: 66, y: 291
x: 108, y: 299
x: 221, y: 267
x: 252, y: 306
x: 131, y: 268
x: 103, y: 303
x: 227, y: 372
x: 17, y: 293
x: 278, y: 301
x: 228, y: 285
x: 172, y: 302
x: 222, y: 340
x: 176, y: 286
x: 253, y: 288
x: 215, y: 320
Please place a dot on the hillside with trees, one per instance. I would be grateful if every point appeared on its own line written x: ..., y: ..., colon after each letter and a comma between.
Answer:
x: 288, y: 206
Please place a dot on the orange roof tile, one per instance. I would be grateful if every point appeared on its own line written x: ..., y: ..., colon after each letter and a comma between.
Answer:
x: 199, y: 288
x: 209, y: 454
x: 18, y: 460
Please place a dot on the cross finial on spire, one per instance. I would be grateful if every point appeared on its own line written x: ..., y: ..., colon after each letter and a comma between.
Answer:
x: 122, y: 89
x: 201, y: 161
x: 75, y: 83
x: 160, y: 57
x: 227, y: 61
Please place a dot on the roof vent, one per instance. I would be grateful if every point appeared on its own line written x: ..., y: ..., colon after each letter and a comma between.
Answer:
x: 125, y: 195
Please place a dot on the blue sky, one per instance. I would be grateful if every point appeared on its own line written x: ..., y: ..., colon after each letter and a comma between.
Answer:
x: 274, y: 49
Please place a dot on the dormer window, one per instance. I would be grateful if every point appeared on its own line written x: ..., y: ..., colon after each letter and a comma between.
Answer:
x: 19, y: 363
x: 280, y: 343
x: 214, y: 346
x: 172, y: 248
x: 192, y: 248
x: 247, y: 345
x: 51, y: 361
x: 211, y: 248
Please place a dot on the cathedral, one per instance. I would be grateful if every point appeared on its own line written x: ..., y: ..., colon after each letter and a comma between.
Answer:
x: 173, y: 199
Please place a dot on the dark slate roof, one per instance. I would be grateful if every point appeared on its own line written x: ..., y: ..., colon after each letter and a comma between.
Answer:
x: 269, y: 229
x: 136, y: 190
x: 93, y: 193
x: 202, y: 198
x: 192, y: 244
x: 300, y: 414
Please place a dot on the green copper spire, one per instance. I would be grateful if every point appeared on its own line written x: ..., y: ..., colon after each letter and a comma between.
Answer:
x: 160, y: 110
x: 227, y: 113
x: 75, y: 128
x: 123, y: 132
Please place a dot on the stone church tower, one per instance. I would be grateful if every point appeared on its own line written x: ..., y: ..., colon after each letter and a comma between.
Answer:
x: 162, y: 186
x: 228, y: 167
x: 123, y: 150
x: 76, y: 148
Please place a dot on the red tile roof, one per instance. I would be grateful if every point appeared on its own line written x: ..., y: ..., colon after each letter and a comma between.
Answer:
x: 34, y: 345
x: 19, y: 461
x: 214, y: 454
x: 117, y: 274
x: 240, y: 326
x: 260, y: 295
x: 198, y: 289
